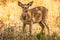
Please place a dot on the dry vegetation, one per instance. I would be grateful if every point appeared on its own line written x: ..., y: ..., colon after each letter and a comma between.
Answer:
x: 11, y: 25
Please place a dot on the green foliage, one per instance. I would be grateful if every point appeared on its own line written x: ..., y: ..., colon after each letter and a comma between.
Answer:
x: 43, y: 36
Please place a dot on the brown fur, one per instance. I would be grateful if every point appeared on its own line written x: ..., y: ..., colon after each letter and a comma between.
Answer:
x: 38, y: 13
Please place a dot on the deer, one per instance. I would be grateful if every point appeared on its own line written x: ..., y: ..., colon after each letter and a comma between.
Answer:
x: 32, y: 16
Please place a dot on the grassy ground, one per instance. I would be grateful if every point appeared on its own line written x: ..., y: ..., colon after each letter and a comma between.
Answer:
x: 10, y: 34
x: 10, y: 11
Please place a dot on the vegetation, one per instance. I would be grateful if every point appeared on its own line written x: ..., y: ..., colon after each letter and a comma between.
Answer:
x: 9, y: 32
x: 43, y: 36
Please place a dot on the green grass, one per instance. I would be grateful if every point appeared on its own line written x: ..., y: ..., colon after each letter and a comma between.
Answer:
x: 43, y: 36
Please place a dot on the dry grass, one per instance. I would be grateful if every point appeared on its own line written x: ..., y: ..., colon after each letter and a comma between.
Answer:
x: 11, y: 25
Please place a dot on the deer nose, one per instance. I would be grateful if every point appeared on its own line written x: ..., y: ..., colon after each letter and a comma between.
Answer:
x: 25, y: 10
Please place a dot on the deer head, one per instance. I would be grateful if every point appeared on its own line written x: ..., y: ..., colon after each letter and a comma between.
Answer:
x: 25, y: 6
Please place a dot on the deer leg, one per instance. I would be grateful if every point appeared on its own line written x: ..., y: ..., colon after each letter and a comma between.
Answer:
x: 30, y: 27
x: 46, y: 26
x: 24, y: 27
x: 42, y: 26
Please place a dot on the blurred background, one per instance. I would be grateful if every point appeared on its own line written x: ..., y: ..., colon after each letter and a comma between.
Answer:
x: 10, y: 13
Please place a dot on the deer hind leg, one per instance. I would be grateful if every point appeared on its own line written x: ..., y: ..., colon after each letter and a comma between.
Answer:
x: 46, y: 26
x: 42, y: 26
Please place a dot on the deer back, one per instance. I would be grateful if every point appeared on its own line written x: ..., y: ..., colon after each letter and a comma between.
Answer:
x: 38, y: 13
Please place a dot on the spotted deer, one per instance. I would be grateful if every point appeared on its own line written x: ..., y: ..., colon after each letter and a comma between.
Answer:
x: 34, y: 15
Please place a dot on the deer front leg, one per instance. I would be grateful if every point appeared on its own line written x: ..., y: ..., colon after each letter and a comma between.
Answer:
x: 24, y: 27
x: 30, y: 27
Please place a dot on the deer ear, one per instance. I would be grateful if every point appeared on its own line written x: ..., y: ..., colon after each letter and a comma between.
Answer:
x: 30, y: 3
x: 20, y: 4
